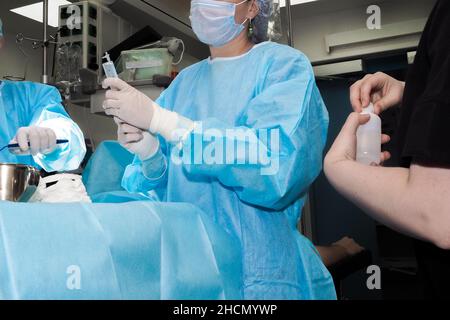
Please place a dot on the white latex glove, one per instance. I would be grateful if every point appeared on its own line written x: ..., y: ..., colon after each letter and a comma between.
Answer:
x: 128, y: 104
x: 141, y: 143
x: 135, y: 108
x: 41, y: 140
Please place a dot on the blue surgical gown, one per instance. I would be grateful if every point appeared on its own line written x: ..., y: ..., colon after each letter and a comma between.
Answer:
x: 270, y: 87
x: 24, y: 104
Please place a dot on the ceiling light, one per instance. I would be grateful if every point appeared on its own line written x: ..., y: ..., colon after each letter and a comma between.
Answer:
x: 294, y: 2
x: 35, y: 11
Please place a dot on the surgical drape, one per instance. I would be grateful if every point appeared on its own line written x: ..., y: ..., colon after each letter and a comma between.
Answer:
x: 136, y: 250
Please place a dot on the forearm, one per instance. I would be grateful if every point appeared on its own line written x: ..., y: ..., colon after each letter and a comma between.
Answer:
x: 68, y: 156
x: 269, y: 175
x: 384, y: 193
x: 141, y: 177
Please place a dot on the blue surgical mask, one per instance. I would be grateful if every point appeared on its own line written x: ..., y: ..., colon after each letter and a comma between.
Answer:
x: 214, y: 21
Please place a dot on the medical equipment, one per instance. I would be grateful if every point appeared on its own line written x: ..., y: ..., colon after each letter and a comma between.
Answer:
x: 68, y: 62
x: 152, y: 61
x: 42, y: 43
x: 95, y: 29
x: 272, y: 31
x: 25, y: 64
x: 36, y: 44
x: 17, y: 182
x: 14, y: 148
x: 171, y: 43
x: 369, y: 139
x: 109, y: 68
x: 143, y: 64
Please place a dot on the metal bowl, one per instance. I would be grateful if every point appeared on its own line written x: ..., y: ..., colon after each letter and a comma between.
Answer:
x: 18, y: 182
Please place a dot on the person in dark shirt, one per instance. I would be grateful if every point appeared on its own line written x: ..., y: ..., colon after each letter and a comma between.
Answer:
x: 415, y: 197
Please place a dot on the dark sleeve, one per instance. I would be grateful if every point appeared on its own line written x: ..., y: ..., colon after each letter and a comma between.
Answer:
x: 428, y: 137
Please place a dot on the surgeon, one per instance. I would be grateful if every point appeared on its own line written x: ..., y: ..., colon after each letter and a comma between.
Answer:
x: 241, y: 136
x: 32, y: 115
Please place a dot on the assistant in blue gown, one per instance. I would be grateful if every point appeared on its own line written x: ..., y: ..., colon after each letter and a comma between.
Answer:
x: 24, y: 104
x: 270, y: 87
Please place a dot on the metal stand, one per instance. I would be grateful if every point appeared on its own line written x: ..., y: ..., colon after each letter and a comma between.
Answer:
x: 41, y: 43
x: 289, y: 22
x: 45, y: 39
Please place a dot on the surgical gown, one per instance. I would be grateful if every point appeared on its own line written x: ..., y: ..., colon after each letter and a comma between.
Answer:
x: 24, y: 104
x: 270, y: 87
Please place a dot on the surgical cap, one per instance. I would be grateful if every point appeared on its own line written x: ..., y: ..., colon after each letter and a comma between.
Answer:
x: 261, y: 21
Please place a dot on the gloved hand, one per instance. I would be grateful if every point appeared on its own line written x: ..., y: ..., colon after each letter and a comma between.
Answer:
x: 141, y: 143
x: 128, y: 104
x: 42, y: 140
x: 135, y: 108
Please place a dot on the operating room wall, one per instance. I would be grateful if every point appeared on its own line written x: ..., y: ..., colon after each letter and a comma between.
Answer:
x: 313, y: 21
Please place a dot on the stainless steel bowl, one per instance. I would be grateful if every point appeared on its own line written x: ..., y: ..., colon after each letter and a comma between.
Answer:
x: 18, y: 182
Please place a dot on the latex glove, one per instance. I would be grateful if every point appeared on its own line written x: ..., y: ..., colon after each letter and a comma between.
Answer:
x: 380, y: 89
x: 135, y: 108
x: 141, y: 143
x: 41, y: 140
x: 128, y: 104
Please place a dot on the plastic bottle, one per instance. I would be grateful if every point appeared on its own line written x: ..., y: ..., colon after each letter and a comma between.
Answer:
x: 369, y: 139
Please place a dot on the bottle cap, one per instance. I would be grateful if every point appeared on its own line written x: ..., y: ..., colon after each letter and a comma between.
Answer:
x: 369, y: 109
x: 107, y: 57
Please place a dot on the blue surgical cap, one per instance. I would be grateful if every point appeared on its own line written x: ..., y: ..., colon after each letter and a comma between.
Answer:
x: 261, y: 21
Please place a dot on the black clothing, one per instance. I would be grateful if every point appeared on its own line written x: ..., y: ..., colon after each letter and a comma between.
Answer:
x: 424, y: 132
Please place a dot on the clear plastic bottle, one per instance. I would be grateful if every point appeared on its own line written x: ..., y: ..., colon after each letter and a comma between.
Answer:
x: 369, y: 139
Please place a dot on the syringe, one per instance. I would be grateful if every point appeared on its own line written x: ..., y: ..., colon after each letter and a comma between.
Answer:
x: 109, y: 68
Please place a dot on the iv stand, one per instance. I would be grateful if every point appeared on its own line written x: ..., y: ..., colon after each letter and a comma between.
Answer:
x: 41, y: 43
x: 45, y: 39
x: 289, y: 22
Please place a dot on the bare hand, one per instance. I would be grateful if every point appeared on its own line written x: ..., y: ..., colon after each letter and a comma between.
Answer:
x: 350, y: 246
x: 344, y: 147
x: 380, y: 89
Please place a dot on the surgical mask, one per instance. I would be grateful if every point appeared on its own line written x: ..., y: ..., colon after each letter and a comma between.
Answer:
x: 214, y: 21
